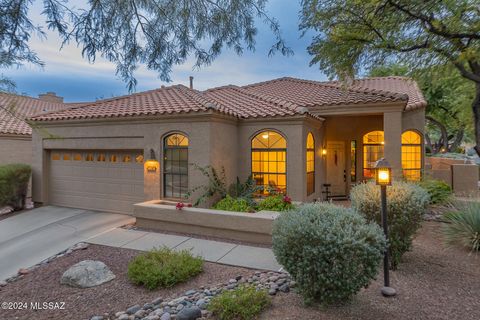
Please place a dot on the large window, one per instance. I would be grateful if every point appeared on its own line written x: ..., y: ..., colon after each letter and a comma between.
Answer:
x: 411, y: 155
x: 353, y: 161
x: 310, y: 164
x: 269, y: 161
x: 373, y: 143
x: 175, y: 166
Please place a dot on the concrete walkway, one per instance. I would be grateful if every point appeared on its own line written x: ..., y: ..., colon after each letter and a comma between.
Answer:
x: 213, y: 251
x: 32, y: 236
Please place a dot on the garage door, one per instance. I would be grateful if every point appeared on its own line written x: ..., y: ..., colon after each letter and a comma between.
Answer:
x: 98, y: 180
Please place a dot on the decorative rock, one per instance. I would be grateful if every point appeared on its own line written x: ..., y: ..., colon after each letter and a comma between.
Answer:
x: 133, y: 309
x: 231, y: 286
x: 86, y: 274
x: 238, y: 278
x: 202, y: 304
x: 232, y: 281
x: 157, y: 301
x: 165, y: 316
x: 272, y: 292
x: 284, y: 288
x: 3, y: 283
x: 118, y: 314
x: 140, y: 313
x: 180, y: 307
x: 124, y: 317
x: 23, y: 271
x: 96, y: 318
x: 190, y: 292
x: 191, y: 313
x: 147, y: 306
x: 80, y: 246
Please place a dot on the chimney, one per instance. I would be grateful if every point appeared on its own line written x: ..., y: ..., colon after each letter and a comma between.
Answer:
x: 50, y: 97
x: 191, y: 82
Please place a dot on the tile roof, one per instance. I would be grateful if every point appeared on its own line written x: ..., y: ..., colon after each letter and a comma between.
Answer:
x: 14, y: 109
x: 279, y: 97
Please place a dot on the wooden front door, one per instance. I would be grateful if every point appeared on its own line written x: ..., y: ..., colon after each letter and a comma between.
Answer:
x: 336, y: 170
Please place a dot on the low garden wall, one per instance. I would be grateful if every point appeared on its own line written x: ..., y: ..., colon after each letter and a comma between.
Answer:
x: 164, y: 216
x: 462, y: 177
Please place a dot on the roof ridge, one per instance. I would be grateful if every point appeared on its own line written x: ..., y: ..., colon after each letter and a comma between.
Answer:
x: 208, y: 102
x: 28, y: 97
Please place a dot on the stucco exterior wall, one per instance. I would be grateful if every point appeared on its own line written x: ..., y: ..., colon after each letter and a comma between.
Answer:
x: 15, y: 149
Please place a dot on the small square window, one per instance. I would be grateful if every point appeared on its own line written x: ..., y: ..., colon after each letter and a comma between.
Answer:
x: 127, y: 158
x: 55, y: 156
x: 113, y: 158
x: 89, y: 157
x: 77, y: 157
x: 101, y: 157
x: 67, y: 156
x: 139, y: 158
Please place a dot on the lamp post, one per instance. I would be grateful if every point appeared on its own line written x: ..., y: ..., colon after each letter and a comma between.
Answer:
x: 383, y: 178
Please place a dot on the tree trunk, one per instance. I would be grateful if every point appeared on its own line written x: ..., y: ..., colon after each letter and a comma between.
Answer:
x: 476, y: 117
x: 458, y: 140
x: 443, y: 130
x: 429, y: 143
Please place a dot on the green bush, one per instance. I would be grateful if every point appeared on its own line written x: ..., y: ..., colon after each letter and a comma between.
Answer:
x: 14, y: 180
x: 276, y: 203
x: 463, y: 226
x: 330, y: 251
x: 406, y: 204
x: 245, y: 190
x: 231, y: 204
x: 439, y: 191
x: 163, y: 268
x: 243, y: 303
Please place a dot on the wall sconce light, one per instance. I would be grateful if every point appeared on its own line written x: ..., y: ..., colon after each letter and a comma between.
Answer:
x: 324, y: 151
x: 152, y: 165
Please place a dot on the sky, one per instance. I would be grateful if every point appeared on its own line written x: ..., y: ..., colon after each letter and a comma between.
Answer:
x: 74, y: 78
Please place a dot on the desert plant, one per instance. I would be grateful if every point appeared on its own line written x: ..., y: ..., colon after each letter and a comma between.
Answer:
x: 439, y: 191
x: 406, y: 204
x: 242, y: 303
x: 14, y: 180
x: 163, y: 268
x: 463, y: 226
x: 233, y: 204
x: 276, y: 203
x: 330, y: 251
x: 245, y: 190
x: 216, y: 187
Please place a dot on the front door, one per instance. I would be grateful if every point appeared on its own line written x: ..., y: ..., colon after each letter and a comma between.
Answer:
x: 336, y: 172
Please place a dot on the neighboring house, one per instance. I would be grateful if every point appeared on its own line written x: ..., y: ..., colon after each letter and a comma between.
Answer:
x: 15, y: 132
x: 291, y: 134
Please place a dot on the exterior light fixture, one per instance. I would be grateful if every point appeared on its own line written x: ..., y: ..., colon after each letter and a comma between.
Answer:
x: 383, y: 178
x: 152, y: 165
x: 324, y: 151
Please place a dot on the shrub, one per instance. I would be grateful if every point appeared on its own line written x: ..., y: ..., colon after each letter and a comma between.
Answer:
x: 14, y: 180
x: 406, y: 204
x: 233, y: 204
x: 330, y: 251
x: 276, y: 203
x: 243, y: 303
x: 439, y: 191
x: 463, y: 226
x: 163, y: 268
x: 245, y: 190
x: 215, y: 188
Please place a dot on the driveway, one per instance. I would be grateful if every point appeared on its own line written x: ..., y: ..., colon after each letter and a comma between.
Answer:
x: 32, y: 236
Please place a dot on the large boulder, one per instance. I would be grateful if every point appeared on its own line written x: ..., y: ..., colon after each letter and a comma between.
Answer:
x: 86, y: 274
x: 189, y: 313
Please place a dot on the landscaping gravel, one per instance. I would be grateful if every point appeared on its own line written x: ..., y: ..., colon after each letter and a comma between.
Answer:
x: 432, y: 282
x: 43, y: 285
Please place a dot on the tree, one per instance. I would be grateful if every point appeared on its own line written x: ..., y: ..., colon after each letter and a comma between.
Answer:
x: 156, y: 33
x: 448, y: 95
x: 354, y: 36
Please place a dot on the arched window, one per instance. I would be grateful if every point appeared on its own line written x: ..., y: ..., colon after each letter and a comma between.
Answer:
x: 269, y: 161
x: 310, y: 164
x: 175, y: 166
x: 412, y: 155
x: 373, y: 143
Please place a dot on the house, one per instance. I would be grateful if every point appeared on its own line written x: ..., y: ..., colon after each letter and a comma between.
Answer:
x: 15, y: 132
x: 290, y: 134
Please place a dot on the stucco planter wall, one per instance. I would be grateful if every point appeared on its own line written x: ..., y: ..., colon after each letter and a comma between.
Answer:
x: 249, y: 227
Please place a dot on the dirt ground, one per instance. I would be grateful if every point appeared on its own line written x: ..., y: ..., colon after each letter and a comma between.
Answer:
x: 432, y: 282
x: 43, y: 285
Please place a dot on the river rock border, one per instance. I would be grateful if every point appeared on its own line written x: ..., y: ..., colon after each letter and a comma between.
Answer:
x: 193, y: 303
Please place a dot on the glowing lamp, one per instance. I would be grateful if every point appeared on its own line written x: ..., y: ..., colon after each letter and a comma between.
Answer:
x: 152, y: 165
x: 383, y: 173
x: 324, y: 152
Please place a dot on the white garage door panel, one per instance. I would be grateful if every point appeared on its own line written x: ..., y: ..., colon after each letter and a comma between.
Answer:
x: 96, y: 185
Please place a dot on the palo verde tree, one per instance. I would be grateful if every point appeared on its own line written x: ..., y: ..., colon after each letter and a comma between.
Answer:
x: 156, y: 33
x: 354, y: 36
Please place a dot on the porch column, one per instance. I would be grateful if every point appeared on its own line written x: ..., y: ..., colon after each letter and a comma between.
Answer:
x: 392, y: 127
